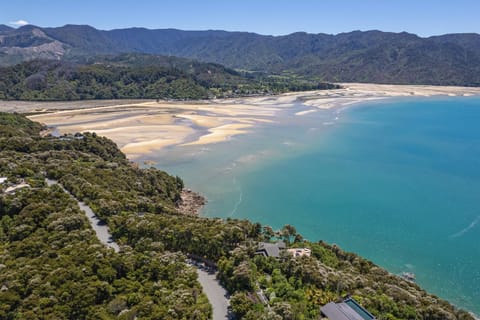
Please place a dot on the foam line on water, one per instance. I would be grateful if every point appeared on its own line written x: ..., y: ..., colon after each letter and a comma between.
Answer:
x: 239, y: 201
x: 465, y: 230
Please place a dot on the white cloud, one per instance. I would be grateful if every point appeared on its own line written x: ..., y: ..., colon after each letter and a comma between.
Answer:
x: 19, y: 23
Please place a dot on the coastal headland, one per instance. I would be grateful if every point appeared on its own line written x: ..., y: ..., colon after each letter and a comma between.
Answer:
x: 140, y: 127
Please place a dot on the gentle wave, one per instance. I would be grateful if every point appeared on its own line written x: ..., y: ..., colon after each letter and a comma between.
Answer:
x: 465, y: 230
x: 239, y: 201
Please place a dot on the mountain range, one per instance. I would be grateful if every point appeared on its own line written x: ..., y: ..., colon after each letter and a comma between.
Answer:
x: 370, y: 56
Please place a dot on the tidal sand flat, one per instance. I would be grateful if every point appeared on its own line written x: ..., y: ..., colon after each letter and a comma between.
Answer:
x: 148, y: 126
x: 142, y: 127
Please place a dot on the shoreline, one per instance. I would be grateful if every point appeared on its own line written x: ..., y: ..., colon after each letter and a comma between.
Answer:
x: 191, y: 203
x: 141, y: 127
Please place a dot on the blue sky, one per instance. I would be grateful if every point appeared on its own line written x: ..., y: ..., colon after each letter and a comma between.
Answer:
x: 275, y: 17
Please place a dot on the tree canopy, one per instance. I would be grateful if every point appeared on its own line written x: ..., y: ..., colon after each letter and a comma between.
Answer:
x: 139, y: 77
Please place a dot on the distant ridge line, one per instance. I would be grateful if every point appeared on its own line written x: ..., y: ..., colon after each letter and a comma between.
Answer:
x: 358, y: 56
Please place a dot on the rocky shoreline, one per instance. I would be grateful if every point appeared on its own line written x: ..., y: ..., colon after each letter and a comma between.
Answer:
x: 190, y: 203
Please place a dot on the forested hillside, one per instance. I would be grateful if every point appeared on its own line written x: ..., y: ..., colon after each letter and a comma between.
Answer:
x: 52, y: 266
x: 136, y: 76
x: 370, y: 56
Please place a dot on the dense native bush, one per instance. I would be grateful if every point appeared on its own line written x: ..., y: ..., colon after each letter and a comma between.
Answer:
x: 120, y: 78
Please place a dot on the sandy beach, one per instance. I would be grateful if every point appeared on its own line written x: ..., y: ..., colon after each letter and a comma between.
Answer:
x: 143, y: 126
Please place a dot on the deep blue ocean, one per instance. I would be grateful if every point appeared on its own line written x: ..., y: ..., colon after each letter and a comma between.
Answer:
x: 396, y: 181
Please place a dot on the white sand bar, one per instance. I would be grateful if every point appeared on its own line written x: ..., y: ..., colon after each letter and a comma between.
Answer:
x: 143, y: 126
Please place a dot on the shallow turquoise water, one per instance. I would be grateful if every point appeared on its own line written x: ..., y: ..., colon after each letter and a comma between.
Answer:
x: 397, y: 182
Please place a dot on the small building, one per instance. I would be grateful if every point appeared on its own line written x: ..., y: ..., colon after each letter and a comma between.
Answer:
x: 348, y: 309
x: 271, y: 249
x: 299, y: 252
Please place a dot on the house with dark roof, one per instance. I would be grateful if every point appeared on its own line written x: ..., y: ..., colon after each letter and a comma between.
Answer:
x: 348, y: 309
x: 271, y: 249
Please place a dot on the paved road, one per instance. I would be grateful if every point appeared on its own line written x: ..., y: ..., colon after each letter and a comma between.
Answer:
x: 216, y: 294
x: 100, y: 228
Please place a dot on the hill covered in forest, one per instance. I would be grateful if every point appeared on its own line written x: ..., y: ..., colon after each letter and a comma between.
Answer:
x: 136, y: 76
x: 370, y: 56
x: 53, y: 266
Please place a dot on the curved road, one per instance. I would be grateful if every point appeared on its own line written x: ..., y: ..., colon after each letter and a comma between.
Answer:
x: 216, y: 294
x: 100, y: 228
